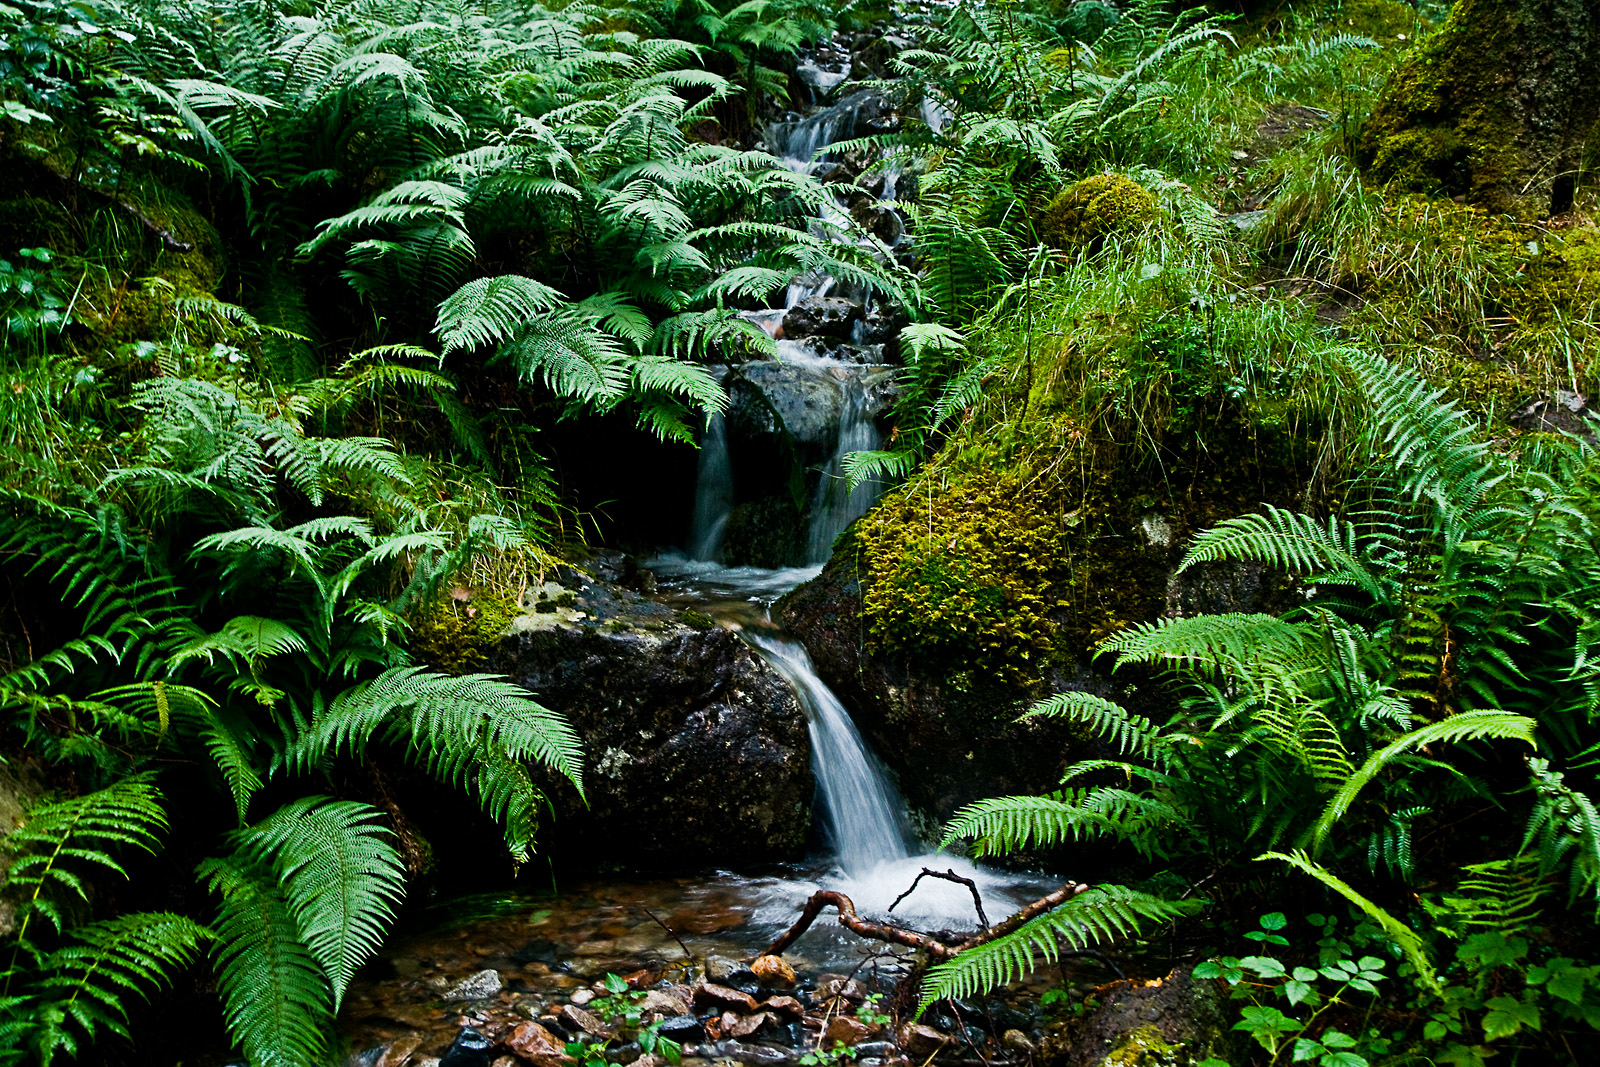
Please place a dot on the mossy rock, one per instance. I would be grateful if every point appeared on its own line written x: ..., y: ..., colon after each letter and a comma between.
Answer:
x: 1087, y: 212
x: 459, y: 634
x: 1495, y: 107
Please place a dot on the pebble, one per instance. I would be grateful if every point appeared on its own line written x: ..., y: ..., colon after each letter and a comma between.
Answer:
x: 580, y: 997
x: 480, y: 986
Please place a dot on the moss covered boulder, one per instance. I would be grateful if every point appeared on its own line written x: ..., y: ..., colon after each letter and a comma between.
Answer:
x: 1176, y: 1021
x: 1495, y: 107
x: 1086, y: 213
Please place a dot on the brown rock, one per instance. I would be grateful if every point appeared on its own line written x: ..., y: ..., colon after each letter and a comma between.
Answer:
x: 399, y: 1050
x: 773, y: 970
x: 834, y: 987
x: 709, y: 994
x: 505, y: 1061
x: 921, y: 1040
x: 576, y: 1017
x: 784, y: 1006
x: 662, y: 1003
x: 538, y: 1046
x: 744, y: 1026
x: 1016, y: 1041
x: 843, y: 1030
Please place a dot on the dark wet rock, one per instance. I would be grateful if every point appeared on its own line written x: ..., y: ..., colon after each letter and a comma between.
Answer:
x: 787, y: 1006
x: 1174, y: 1020
x: 695, y: 749
x: 575, y: 1018
x: 624, y: 1054
x: 777, y: 397
x: 844, y: 1030
x: 469, y: 1049
x: 822, y: 316
x: 881, y: 1049
x: 921, y: 1040
x: 834, y: 986
x: 713, y: 995
x: 1565, y: 412
x: 745, y: 981
x: 683, y: 1029
x: 480, y: 986
x: 759, y: 1055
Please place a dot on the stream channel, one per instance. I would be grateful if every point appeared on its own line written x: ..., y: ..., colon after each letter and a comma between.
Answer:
x: 490, y: 963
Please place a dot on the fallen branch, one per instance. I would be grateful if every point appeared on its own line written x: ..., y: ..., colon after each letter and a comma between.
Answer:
x: 848, y: 919
x: 853, y: 922
x: 948, y: 876
x: 151, y: 226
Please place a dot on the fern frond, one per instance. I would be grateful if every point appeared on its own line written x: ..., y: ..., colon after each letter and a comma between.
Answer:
x: 1130, y: 733
x: 1463, y: 726
x: 276, y: 998
x: 1398, y: 932
x: 1097, y: 916
x: 341, y: 875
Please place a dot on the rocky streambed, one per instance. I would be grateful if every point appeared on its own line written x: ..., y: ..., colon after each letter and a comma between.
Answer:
x: 543, y: 981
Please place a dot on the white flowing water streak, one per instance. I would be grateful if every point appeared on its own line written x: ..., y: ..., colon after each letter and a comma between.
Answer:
x: 836, y: 505
x: 861, y: 808
x: 713, y: 492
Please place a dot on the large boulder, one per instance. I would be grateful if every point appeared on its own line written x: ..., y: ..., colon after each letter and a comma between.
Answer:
x: 1176, y: 1021
x: 696, y: 750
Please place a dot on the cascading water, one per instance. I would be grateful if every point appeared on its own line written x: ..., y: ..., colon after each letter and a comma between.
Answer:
x: 861, y: 809
x: 713, y: 492
x: 836, y: 505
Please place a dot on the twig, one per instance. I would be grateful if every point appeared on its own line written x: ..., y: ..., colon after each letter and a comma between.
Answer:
x: 949, y: 876
x: 670, y: 933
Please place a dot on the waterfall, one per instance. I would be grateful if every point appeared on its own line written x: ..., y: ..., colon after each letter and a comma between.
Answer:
x: 836, y: 506
x: 861, y: 809
x: 713, y: 492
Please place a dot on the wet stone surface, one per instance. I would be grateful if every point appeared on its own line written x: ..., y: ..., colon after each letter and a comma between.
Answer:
x: 537, y: 974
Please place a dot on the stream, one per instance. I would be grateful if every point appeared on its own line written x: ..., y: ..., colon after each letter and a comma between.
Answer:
x: 535, y: 957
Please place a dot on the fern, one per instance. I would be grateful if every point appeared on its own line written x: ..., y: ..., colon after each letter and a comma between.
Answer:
x: 275, y: 996
x: 460, y: 729
x: 340, y: 874
x: 1129, y: 733
x: 1096, y: 916
x: 1398, y: 932
x: 1466, y: 726
x: 87, y: 981
x: 63, y: 843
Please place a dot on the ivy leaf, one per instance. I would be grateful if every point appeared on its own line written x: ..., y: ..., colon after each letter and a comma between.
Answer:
x: 1265, y: 966
x: 1297, y: 990
x: 1344, y: 1059
x: 1507, y: 1016
x: 1338, y: 1039
x: 1307, y: 1049
x: 1266, y: 1025
x: 1492, y: 950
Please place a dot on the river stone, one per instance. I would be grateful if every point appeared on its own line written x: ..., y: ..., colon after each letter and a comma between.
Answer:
x: 480, y: 986
x: 538, y: 1046
x: 770, y: 396
x: 821, y: 316
x: 696, y: 751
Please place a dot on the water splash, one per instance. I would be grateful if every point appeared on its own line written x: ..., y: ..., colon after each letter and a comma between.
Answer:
x: 861, y: 809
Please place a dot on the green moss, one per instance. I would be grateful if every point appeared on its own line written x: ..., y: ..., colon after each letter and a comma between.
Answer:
x: 1452, y: 121
x: 960, y: 575
x: 697, y: 619
x: 1382, y: 20
x: 458, y: 636
x: 1085, y: 213
x: 1144, y: 1047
